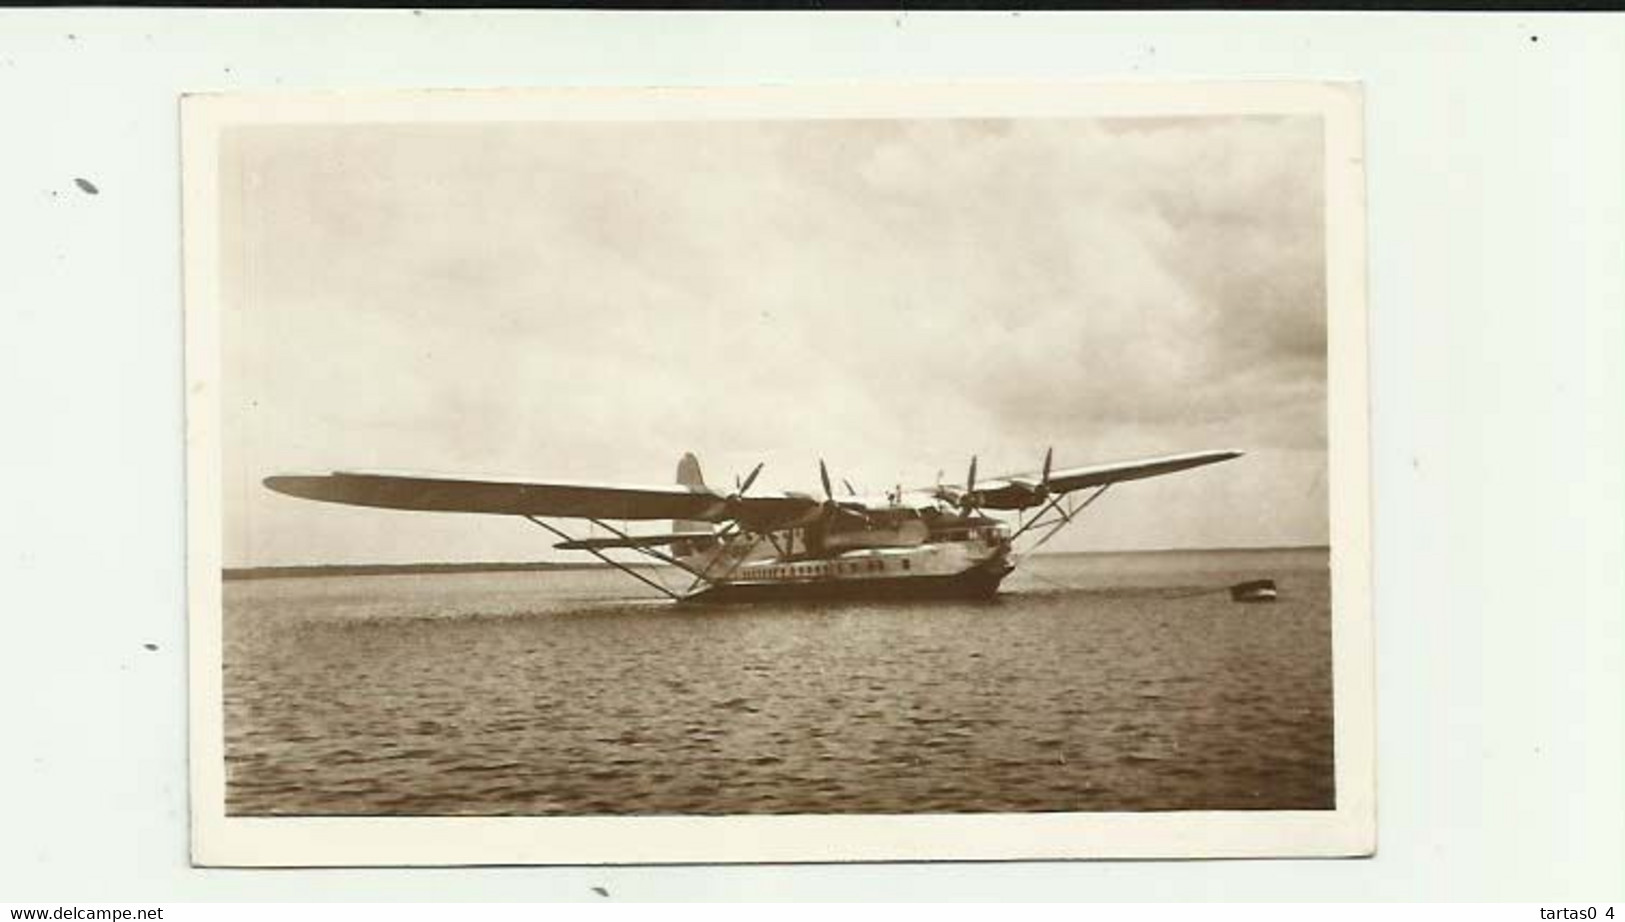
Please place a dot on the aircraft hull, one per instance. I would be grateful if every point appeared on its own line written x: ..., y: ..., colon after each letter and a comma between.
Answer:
x: 978, y: 583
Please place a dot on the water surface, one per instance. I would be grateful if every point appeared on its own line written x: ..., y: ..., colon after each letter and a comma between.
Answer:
x: 1093, y: 682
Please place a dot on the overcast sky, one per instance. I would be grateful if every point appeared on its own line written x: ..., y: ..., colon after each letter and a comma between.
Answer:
x: 588, y: 301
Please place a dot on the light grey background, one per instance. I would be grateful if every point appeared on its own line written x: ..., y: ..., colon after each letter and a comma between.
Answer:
x: 568, y: 300
x: 1497, y: 239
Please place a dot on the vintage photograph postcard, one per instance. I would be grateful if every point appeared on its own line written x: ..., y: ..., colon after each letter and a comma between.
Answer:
x: 965, y: 472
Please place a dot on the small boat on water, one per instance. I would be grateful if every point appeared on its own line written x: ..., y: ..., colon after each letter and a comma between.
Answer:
x: 1254, y: 590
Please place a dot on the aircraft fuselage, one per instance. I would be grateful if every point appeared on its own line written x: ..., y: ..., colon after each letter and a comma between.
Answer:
x: 908, y: 558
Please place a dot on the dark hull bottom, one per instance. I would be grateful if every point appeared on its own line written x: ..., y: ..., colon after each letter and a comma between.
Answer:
x: 972, y: 584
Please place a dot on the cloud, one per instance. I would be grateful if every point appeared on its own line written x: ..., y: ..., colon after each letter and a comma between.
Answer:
x: 589, y: 300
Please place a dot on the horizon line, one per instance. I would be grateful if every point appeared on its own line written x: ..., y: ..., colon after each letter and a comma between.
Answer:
x: 316, y: 569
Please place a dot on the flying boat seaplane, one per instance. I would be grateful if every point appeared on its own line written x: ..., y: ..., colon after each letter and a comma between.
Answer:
x: 942, y: 541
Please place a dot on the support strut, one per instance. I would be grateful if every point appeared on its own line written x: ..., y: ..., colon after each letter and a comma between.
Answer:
x: 609, y: 560
x: 1054, y: 526
x: 706, y: 577
x: 645, y: 550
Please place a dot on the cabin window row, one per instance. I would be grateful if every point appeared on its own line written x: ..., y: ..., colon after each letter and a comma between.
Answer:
x: 857, y: 566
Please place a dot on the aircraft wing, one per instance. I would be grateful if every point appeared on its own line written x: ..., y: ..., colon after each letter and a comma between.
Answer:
x: 429, y: 493
x: 1078, y: 478
x: 1022, y: 491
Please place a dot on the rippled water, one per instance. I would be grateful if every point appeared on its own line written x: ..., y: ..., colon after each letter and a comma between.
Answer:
x: 1094, y: 682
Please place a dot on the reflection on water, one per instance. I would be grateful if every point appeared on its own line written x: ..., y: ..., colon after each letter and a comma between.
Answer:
x: 1101, y: 682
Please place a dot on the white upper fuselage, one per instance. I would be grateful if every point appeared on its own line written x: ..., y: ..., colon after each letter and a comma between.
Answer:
x: 863, y: 554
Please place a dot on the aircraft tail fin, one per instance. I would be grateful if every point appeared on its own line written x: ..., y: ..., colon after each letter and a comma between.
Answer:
x: 688, y: 471
x: 688, y: 475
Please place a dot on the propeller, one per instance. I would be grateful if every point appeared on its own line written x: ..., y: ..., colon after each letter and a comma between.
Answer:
x: 967, y: 499
x: 1043, y: 482
x: 740, y: 486
x: 733, y: 501
x: 1037, y: 493
x: 1019, y: 490
x: 832, y: 506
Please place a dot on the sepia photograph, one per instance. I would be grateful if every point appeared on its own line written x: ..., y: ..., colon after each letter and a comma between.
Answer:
x: 731, y: 475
